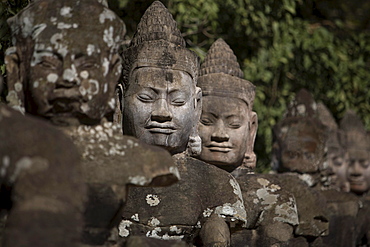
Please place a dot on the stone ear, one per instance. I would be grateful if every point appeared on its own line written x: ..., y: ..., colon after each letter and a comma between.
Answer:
x: 194, y: 147
x: 250, y: 158
x: 198, y: 102
x: 118, y: 111
x: 15, y: 73
x: 253, y: 126
x: 115, y: 69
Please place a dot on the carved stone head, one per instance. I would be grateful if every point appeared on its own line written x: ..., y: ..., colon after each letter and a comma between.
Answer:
x: 300, y: 138
x: 160, y: 101
x: 64, y: 63
x: 357, y: 145
x: 301, y: 144
x: 336, y: 157
x: 228, y: 125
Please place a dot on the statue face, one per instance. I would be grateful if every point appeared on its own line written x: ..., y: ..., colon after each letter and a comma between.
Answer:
x: 73, y: 79
x: 337, y: 162
x: 224, y: 131
x: 358, y: 173
x: 160, y: 107
x: 300, y: 152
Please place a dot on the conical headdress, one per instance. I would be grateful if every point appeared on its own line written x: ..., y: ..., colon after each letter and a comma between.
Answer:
x: 158, y: 43
x: 334, y: 134
x: 326, y: 117
x: 220, y: 75
x: 157, y: 23
x: 81, y: 17
x: 303, y: 105
x: 221, y: 59
x: 299, y: 122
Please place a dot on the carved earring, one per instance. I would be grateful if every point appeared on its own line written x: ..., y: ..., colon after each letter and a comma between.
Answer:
x: 15, y: 97
x: 248, y: 165
x: 117, y: 117
x: 249, y: 161
x: 194, y: 147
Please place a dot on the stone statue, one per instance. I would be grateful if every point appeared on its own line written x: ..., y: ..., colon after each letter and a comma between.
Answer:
x: 300, y: 140
x: 42, y: 193
x: 56, y: 73
x: 53, y: 71
x: 160, y: 100
x: 304, y: 136
x: 228, y: 129
x: 161, y: 105
x: 298, y: 153
x: 342, y: 207
x: 228, y: 126
x: 357, y: 145
x: 335, y: 154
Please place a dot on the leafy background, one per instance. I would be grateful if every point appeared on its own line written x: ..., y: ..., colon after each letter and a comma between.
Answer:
x: 282, y: 46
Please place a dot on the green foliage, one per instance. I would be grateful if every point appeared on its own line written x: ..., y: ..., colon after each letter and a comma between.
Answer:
x: 332, y: 65
x: 197, y: 18
x: 281, y: 50
x: 8, y: 8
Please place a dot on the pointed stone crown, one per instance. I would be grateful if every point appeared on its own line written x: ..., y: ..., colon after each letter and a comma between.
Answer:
x: 334, y: 134
x: 303, y: 105
x: 326, y: 117
x: 221, y: 59
x: 157, y: 23
x: 68, y: 16
x: 220, y: 75
x: 158, y: 43
x: 356, y: 138
x: 302, y: 111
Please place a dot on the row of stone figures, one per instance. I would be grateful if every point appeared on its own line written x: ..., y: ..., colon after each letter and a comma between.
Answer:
x: 82, y: 167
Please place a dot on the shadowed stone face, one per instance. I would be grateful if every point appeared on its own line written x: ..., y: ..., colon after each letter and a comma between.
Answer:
x: 57, y: 72
x: 336, y: 156
x: 337, y: 161
x: 159, y: 107
x: 357, y: 145
x: 73, y: 82
x: 358, y: 174
x: 301, y: 146
x: 224, y: 133
x: 300, y: 140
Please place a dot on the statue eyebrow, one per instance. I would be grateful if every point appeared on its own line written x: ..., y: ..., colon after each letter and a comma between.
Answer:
x: 80, y: 55
x: 155, y: 90
x: 59, y: 56
x: 213, y: 115
x: 231, y: 116
x: 173, y: 90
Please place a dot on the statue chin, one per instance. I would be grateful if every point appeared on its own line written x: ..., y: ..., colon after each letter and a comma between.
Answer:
x: 171, y: 142
x: 221, y: 163
x: 359, y: 188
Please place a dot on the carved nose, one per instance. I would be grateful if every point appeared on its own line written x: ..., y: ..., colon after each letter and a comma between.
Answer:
x: 69, y: 78
x: 220, y: 134
x: 330, y: 171
x: 355, y: 169
x: 161, y: 113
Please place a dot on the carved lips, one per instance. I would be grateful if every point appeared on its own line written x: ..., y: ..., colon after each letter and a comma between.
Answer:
x: 167, y: 129
x: 356, y: 181
x: 70, y: 93
x: 219, y: 147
